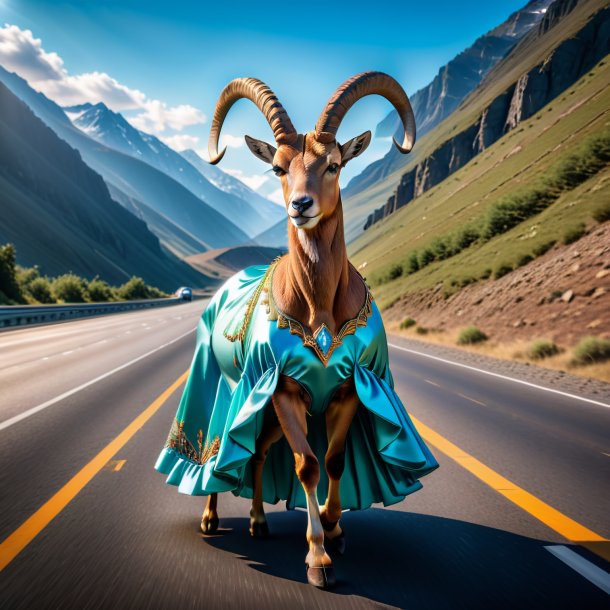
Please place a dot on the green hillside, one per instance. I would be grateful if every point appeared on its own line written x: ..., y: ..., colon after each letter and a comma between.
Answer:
x: 526, y: 160
x: 536, y: 48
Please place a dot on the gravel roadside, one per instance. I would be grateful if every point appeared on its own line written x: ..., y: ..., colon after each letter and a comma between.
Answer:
x: 552, y: 379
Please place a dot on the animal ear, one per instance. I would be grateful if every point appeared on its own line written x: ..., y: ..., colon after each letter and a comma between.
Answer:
x: 265, y: 152
x: 352, y: 148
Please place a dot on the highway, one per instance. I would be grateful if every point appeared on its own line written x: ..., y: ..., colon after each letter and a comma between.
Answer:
x: 517, y: 515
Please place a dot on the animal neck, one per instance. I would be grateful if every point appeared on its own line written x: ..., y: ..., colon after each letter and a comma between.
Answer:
x: 316, y: 273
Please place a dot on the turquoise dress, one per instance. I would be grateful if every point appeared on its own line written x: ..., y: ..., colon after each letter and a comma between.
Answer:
x: 244, y: 344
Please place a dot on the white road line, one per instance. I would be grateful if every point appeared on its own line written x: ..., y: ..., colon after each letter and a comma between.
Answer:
x: 527, y: 383
x: 70, y: 351
x: 585, y: 568
x: 477, y: 402
x: 48, y: 403
x: 432, y: 383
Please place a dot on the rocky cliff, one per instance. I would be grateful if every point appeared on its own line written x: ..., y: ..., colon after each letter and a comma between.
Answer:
x: 569, y: 61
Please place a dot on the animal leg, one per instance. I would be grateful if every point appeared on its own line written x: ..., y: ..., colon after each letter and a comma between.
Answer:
x: 271, y: 433
x: 209, y: 519
x: 339, y: 416
x: 290, y: 404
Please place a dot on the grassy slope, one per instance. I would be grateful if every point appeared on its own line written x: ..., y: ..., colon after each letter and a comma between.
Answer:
x: 530, y: 52
x: 513, y: 162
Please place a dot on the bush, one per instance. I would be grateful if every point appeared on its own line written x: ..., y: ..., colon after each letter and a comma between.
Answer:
x: 8, y: 274
x: 524, y: 260
x: 541, y: 249
x: 486, y: 273
x: 590, y: 350
x: 574, y: 234
x: 602, y: 212
x: 542, y: 349
x: 420, y: 330
x: 136, y: 289
x: 407, y: 323
x: 425, y: 257
x: 502, y: 270
x: 471, y: 335
x: 40, y: 290
x: 69, y: 288
x: 395, y: 271
x: 99, y: 291
x: 412, y: 263
x: 465, y: 238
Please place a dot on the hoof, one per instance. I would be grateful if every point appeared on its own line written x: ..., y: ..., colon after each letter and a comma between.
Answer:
x: 259, y: 529
x: 210, y: 525
x: 322, y: 577
x: 336, y: 544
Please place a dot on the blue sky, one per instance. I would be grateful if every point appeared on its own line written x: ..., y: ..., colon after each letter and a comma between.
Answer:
x: 163, y: 63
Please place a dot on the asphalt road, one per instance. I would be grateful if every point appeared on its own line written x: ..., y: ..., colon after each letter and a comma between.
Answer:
x: 122, y: 538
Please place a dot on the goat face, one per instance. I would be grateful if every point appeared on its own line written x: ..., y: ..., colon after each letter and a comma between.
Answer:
x: 309, y: 172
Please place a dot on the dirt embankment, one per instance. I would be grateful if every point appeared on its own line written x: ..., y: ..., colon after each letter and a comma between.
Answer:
x: 561, y: 296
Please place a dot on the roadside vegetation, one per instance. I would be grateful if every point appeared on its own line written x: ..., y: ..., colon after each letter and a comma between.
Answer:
x: 509, y: 211
x: 26, y: 285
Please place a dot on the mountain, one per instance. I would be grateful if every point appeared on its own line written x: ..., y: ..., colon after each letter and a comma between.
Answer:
x: 276, y: 236
x: 534, y: 49
x: 134, y: 178
x: 267, y: 210
x: 59, y: 214
x: 533, y: 89
x: 113, y: 130
x: 453, y: 83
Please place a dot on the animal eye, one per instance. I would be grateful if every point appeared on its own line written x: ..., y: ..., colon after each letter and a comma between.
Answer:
x: 278, y: 171
x: 333, y: 168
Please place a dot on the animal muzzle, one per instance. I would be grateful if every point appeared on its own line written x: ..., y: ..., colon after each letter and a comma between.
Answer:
x: 302, y: 204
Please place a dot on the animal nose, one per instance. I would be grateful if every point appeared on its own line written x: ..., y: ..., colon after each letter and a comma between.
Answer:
x: 302, y: 203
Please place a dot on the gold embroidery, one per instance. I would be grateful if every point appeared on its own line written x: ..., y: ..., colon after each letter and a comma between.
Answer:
x: 251, y: 306
x: 178, y: 441
x: 348, y: 328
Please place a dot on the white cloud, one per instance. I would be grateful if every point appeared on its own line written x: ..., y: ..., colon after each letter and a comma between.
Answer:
x: 157, y: 116
x: 277, y: 196
x: 254, y: 182
x: 22, y: 53
x: 180, y: 142
x: 226, y: 139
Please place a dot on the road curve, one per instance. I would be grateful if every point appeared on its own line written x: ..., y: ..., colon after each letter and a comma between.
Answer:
x: 128, y: 540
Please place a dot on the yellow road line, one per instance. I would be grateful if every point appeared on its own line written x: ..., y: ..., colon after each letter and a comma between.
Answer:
x: 118, y: 464
x: 551, y: 517
x: 23, y: 535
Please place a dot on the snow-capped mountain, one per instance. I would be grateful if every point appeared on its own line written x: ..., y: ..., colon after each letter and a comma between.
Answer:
x: 224, y: 193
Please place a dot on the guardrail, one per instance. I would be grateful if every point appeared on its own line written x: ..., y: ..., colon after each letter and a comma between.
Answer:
x: 21, y: 315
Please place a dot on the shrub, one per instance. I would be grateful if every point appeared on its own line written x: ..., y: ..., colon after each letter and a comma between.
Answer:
x: 395, y: 271
x: 136, y: 288
x: 502, y: 270
x: 542, y: 349
x: 412, y: 263
x: 524, y: 260
x: 471, y: 335
x: 426, y: 256
x: 590, y: 350
x: 69, y: 288
x: 407, y: 323
x: 541, y: 249
x: 40, y: 290
x: 441, y: 248
x: 466, y: 237
x: 99, y: 291
x: 420, y: 330
x: 574, y: 233
x: 602, y: 212
x: 8, y: 274
x: 486, y: 273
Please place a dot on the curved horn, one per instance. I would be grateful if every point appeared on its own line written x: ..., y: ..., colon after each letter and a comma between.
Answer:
x: 267, y: 102
x: 366, y: 83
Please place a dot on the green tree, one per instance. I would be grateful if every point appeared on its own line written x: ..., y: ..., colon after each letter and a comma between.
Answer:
x: 69, y: 288
x: 8, y: 274
x: 40, y: 290
x: 99, y: 291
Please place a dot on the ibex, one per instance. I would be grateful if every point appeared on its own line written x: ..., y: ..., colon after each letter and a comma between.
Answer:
x: 291, y: 366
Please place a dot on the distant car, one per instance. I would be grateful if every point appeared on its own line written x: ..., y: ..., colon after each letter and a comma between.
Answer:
x: 184, y: 294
